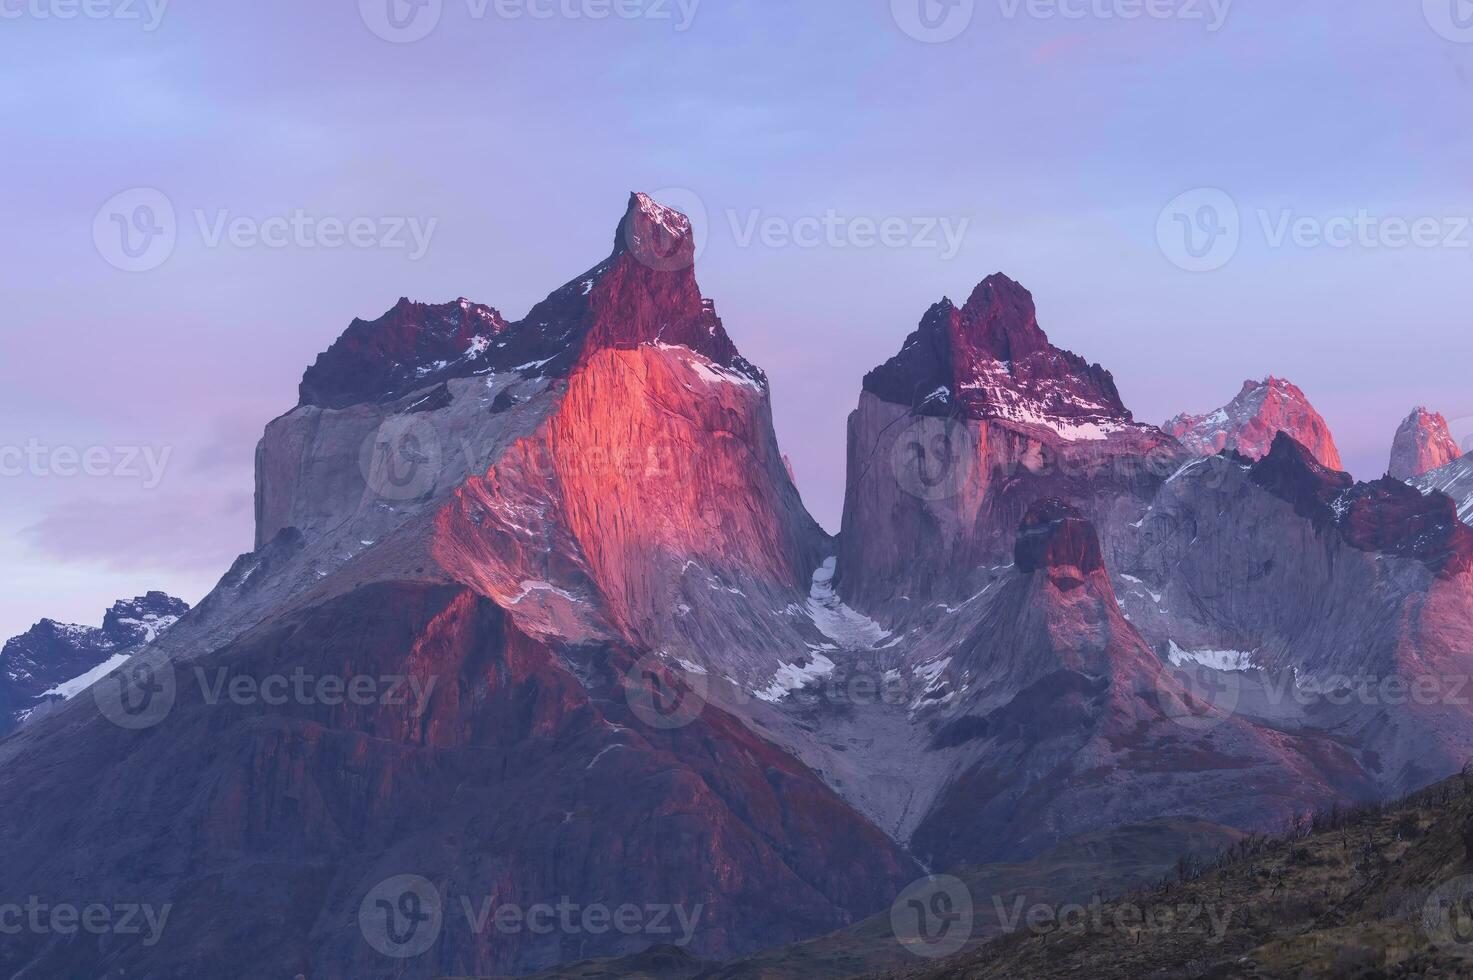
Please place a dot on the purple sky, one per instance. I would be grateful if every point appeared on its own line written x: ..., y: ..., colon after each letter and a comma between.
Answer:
x: 1059, y: 140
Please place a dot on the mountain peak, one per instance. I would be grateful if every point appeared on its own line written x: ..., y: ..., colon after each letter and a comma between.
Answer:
x: 644, y: 292
x: 658, y: 236
x: 1291, y: 472
x: 404, y: 349
x: 1001, y: 320
x: 1251, y: 421
x: 1423, y: 442
x: 989, y: 359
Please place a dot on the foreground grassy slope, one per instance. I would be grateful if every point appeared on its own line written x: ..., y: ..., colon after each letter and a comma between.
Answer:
x: 1373, y: 892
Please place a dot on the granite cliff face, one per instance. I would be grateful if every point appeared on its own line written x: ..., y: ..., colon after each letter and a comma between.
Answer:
x: 606, y: 657
x: 956, y: 436
x: 1422, y: 443
x: 1249, y: 423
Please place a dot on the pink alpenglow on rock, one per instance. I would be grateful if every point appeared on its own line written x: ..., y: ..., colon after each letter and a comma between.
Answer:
x: 1250, y: 421
x: 1422, y: 443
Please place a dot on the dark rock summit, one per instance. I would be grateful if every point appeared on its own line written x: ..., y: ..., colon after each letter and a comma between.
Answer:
x: 1056, y: 536
x: 990, y: 359
x: 46, y: 662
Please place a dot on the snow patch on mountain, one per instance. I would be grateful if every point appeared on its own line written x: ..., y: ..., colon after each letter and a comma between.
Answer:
x: 851, y: 630
x: 1224, y: 660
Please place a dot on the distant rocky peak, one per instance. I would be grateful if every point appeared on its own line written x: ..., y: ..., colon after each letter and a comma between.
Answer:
x: 1251, y: 421
x: 998, y: 322
x: 1423, y: 442
x: 54, y: 661
x: 1290, y: 471
x: 657, y: 236
x: 141, y: 620
x: 381, y: 359
x: 989, y: 359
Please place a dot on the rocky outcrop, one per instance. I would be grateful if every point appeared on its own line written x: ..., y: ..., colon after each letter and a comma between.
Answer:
x: 1249, y: 423
x: 1057, y: 715
x: 1319, y: 601
x: 955, y: 437
x: 1422, y: 443
x: 54, y: 661
x: 1455, y: 480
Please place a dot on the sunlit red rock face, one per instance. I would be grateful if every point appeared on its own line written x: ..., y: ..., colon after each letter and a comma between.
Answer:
x: 956, y: 436
x: 658, y: 475
x: 1250, y: 421
x: 1422, y: 443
